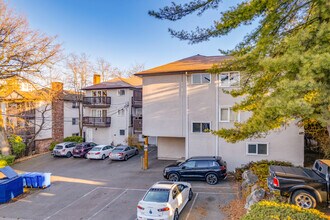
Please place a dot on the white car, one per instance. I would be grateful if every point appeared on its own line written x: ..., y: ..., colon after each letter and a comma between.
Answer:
x: 164, y: 200
x: 100, y: 152
x: 63, y: 149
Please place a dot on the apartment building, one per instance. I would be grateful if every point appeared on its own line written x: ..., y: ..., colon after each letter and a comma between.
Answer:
x: 38, y: 115
x: 181, y: 100
x: 113, y: 110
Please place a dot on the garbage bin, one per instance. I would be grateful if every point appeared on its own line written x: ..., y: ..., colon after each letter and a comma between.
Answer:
x: 11, y: 186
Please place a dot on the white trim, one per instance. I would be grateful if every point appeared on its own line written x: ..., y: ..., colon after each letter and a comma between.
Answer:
x: 216, y: 114
x: 200, y: 122
x: 201, y: 80
x: 256, y: 143
x: 229, y: 84
x: 228, y: 107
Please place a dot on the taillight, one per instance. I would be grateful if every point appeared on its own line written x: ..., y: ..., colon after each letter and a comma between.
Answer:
x: 140, y: 207
x: 164, y: 209
x: 276, y: 182
x: 223, y: 167
x: 110, y: 153
x: 97, y: 153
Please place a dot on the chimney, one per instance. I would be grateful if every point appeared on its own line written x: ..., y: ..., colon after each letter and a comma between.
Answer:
x: 96, y: 79
x: 57, y: 112
x: 57, y: 86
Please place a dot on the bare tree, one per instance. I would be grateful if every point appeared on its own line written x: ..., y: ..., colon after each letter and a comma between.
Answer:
x: 23, y: 51
x: 135, y: 68
x: 79, y: 76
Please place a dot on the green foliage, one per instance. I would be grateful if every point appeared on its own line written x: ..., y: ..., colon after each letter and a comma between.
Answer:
x: 52, y: 145
x: 6, y: 160
x: 275, y: 211
x: 284, y: 62
x: 261, y: 169
x: 17, y: 144
x: 76, y: 139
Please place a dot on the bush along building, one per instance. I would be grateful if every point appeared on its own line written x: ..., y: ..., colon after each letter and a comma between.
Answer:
x: 182, y: 101
x: 38, y: 115
x: 113, y: 110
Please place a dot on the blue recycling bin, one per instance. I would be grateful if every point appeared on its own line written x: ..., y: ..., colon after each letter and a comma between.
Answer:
x: 11, y: 186
x: 36, y: 180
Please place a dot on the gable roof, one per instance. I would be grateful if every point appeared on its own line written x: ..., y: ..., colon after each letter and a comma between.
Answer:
x: 119, y: 82
x: 190, y: 64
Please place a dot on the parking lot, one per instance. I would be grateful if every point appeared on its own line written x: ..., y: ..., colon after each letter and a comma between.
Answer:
x: 84, y: 189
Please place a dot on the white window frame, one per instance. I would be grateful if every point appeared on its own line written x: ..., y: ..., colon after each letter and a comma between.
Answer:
x: 201, y: 80
x: 230, y: 84
x: 200, y: 122
x: 228, y: 107
x: 121, y: 90
x: 256, y: 143
x: 76, y: 120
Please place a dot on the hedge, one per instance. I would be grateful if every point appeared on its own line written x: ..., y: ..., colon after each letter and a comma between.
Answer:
x: 6, y: 160
x: 282, y: 211
x: 76, y: 139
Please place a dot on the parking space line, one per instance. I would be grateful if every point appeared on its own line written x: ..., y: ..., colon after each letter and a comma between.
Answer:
x: 218, y: 193
x: 192, y: 205
x: 71, y: 203
x: 112, y: 201
x: 116, y: 188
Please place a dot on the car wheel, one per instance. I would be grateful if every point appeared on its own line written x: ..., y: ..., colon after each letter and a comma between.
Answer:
x: 173, y: 177
x: 103, y: 157
x: 126, y: 158
x: 137, y: 152
x: 176, y: 215
x: 191, y: 194
x: 69, y: 154
x: 303, y: 199
x: 211, y: 179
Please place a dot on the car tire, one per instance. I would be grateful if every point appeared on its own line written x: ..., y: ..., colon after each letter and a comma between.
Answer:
x: 69, y: 154
x: 173, y: 177
x: 103, y: 157
x: 176, y: 215
x: 126, y: 158
x: 303, y: 199
x: 212, y: 178
x: 191, y: 194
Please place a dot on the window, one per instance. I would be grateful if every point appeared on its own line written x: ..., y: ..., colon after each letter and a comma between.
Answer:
x: 199, y: 127
x: 189, y: 164
x: 75, y: 104
x: 202, y: 164
x: 201, y: 78
x: 228, y: 79
x: 121, y: 132
x: 121, y: 92
x: 75, y: 121
x: 257, y: 149
x: 227, y: 114
x: 75, y: 134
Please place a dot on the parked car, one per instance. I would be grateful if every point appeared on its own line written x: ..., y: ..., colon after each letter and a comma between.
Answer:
x: 64, y: 149
x: 211, y: 169
x: 305, y: 187
x: 82, y: 149
x: 100, y: 152
x: 164, y: 200
x: 123, y: 153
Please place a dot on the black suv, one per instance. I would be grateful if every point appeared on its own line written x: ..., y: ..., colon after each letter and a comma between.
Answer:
x: 211, y: 169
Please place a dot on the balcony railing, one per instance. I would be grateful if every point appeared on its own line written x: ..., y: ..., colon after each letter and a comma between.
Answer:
x: 97, y: 102
x: 22, y: 131
x: 137, y: 125
x: 97, y: 121
x: 136, y: 102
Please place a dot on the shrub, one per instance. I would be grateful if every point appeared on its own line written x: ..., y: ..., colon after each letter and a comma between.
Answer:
x: 17, y: 144
x: 52, y: 145
x: 6, y: 160
x: 261, y: 169
x: 273, y: 210
x: 76, y: 139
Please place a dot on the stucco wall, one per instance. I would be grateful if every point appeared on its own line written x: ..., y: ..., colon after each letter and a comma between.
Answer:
x: 70, y: 113
x: 171, y: 148
x: 44, y: 108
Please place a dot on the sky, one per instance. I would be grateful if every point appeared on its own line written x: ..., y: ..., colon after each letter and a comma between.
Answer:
x: 121, y: 31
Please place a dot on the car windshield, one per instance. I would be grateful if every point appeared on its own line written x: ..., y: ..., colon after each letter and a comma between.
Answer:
x: 118, y: 150
x: 157, y: 195
x: 58, y: 147
x: 79, y: 146
x: 96, y: 149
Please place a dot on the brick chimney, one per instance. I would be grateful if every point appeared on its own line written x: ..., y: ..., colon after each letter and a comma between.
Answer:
x: 96, y: 79
x: 57, y: 112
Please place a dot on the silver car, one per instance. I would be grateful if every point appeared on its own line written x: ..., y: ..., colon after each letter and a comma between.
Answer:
x: 123, y: 153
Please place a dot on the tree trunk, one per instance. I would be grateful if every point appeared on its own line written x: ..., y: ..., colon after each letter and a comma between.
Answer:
x: 4, y: 144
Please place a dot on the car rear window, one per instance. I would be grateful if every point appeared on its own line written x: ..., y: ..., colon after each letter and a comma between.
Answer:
x: 157, y: 195
x: 58, y: 147
x: 118, y: 150
x: 96, y: 149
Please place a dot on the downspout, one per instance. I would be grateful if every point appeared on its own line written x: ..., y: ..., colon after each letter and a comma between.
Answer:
x: 216, y: 114
x: 187, y: 121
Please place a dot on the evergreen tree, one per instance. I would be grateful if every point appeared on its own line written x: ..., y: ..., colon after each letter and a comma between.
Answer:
x: 284, y: 62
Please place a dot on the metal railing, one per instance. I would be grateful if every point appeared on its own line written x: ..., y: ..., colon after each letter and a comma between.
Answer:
x: 103, y: 101
x: 97, y: 121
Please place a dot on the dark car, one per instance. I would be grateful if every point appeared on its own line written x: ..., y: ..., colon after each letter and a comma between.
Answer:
x: 305, y: 187
x: 211, y: 169
x: 82, y: 149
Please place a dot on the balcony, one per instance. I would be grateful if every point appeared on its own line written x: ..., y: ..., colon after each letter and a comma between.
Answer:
x: 97, y: 121
x: 21, y: 131
x: 97, y: 102
x: 137, y: 125
x: 136, y: 103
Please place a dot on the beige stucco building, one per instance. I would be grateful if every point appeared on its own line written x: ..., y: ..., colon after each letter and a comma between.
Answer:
x: 181, y: 100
